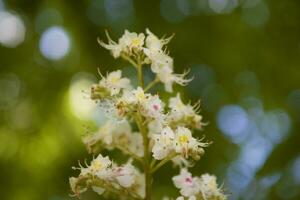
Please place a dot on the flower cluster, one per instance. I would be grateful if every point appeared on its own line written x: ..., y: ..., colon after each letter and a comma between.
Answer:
x: 181, y: 113
x: 103, y: 175
x: 110, y: 85
x: 179, y: 141
x: 147, y: 50
x: 112, y: 135
x: 144, y: 127
x: 197, y: 188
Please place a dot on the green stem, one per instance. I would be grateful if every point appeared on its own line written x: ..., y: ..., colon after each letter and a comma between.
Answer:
x: 125, y: 57
x: 161, y: 163
x: 151, y: 84
x: 139, y: 121
x: 148, y: 175
x: 152, y: 163
x: 140, y: 74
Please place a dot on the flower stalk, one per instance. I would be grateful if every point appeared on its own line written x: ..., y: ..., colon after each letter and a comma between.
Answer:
x: 141, y: 125
x: 146, y: 163
x: 161, y: 163
x: 139, y: 67
x: 151, y: 84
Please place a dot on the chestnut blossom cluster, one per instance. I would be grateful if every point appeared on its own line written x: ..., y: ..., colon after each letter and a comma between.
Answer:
x: 112, y: 135
x: 197, y: 188
x: 150, y: 50
x: 148, y: 129
x: 102, y: 174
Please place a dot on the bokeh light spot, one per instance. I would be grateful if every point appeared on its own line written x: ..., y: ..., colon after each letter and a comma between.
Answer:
x: 232, y: 120
x: 275, y: 125
x: 55, y: 43
x: 217, y: 5
x: 80, y: 103
x: 12, y: 30
x: 255, y: 152
x: 296, y: 170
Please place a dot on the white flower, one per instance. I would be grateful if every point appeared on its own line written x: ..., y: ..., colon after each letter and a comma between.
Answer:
x: 101, y: 167
x: 184, y: 141
x: 114, y: 82
x: 111, y: 132
x: 181, y: 142
x: 114, y: 47
x: 178, y: 108
x: 181, y: 162
x: 153, y: 107
x: 73, y: 182
x: 165, y: 75
x: 209, y: 187
x: 75, y: 187
x: 110, y: 109
x: 159, y: 60
x: 163, y: 143
x: 154, y: 52
x: 184, y: 114
x: 162, y: 64
x: 209, y: 183
x: 188, y: 185
x: 197, y: 121
x: 126, y: 44
x: 153, y: 42
x: 126, y: 175
x: 155, y: 126
x: 139, y: 95
x: 149, y: 105
x: 135, y: 96
x: 187, y: 145
x: 132, y: 40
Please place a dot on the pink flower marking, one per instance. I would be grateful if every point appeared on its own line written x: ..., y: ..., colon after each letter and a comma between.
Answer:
x: 156, y: 107
x: 188, y: 180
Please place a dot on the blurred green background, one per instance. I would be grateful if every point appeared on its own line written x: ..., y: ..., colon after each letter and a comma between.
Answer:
x: 244, y: 56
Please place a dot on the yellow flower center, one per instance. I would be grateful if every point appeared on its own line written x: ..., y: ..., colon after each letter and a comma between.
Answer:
x: 140, y: 96
x: 96, y: 165
x: 183, y: 139
x: 114, y: 80
x: 135, y: 42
